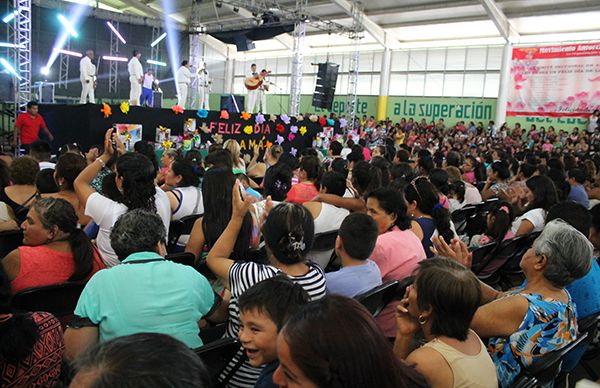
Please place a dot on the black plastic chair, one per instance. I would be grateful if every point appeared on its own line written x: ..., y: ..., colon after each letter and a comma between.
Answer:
x: 9, y: 241
x: 481, y: 256
x: 323, y: 249
x: 216, y: 355
x: 178, y: 228
x: 592, y: 354
x: 547, y: 368
x: 460, y: 218
x: 376, y: 299
x: 185, y: 258
x: 58, y: 299
x: 500, y: 256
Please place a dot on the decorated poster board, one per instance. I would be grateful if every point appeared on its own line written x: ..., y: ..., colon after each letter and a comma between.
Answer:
x: 555, y: 81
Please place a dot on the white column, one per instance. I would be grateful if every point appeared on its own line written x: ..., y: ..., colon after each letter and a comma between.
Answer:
x: 229, y: 66
x: 504, y: 82
x: 386, y: 65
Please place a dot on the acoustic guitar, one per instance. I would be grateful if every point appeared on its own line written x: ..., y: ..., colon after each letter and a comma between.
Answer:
x: 253, y: 83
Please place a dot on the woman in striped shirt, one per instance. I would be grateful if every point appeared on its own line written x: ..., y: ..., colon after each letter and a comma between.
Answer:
x: 288, y: 234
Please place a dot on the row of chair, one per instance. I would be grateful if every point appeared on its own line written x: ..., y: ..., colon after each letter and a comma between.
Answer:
x: 472, y: 219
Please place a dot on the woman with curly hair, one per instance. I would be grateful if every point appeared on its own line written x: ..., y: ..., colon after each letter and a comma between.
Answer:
x: 135, y: 182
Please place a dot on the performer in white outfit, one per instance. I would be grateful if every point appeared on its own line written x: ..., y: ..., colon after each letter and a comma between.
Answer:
x: 252, y: 94
x: 87, y: 75
x: 136, y: 77
x: 203, y: 87
x: 262, y: 92
x: 184, y: 77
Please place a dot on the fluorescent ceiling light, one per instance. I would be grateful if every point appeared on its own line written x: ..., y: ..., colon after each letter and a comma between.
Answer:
x: 68, y: 25
x: 67, y: 52
x: 110, y: 25
x: 157, y: 41
x: 9, y: 67
x: 9, y: 45
x: 118, y: 59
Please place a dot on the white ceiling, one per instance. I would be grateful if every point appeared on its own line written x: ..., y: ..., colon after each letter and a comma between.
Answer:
x: 406, y: 23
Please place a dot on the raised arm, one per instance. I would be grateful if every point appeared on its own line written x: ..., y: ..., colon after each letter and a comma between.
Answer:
x: 218, y: 258
x: 352, y: 204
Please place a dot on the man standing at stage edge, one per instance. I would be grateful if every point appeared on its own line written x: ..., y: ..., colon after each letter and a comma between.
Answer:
x: 87, y: 75
x: 136, y: 76
x: 252, y: 94
x: 184, y: 77
x: 203, y: 87
x: 147, y: 88
x: 28, y: 125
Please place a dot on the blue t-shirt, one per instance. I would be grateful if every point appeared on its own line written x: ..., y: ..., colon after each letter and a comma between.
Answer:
x: 579, y: 195
x: 265, y: 379
x: 354, y: 280
x: 586, y: 292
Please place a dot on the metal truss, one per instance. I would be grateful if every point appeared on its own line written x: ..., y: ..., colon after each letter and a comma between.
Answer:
x: 113, y: 69
x: 356, y: 35
x: 298, y: 58
x: 154, y: 51
x: 63, y: 69
x: 196, y: 52
x: 23, y: 53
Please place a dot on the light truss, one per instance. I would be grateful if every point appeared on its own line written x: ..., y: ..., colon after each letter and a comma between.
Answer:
x: 154, y: 51
x: 23, y: 54
x: 356, y: 35
x: 113, y: 67
x: 63, y: 69
x: 298, y: 59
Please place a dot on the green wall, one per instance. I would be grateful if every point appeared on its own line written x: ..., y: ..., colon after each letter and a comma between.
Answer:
x: 565, y: 123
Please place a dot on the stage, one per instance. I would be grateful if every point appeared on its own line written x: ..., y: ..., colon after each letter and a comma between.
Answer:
x: 86, y: 125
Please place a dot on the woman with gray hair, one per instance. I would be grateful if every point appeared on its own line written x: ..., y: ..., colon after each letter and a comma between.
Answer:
x: 539, y: 317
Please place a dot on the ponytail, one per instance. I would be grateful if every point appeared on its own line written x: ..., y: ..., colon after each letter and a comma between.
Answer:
x: 83, y: 255
x: 18, y: 335
x: 459, y: 189
x: 441, y: 219
x: 503, y: 215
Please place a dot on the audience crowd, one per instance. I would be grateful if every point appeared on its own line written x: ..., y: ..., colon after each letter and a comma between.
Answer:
x: 284, y: 249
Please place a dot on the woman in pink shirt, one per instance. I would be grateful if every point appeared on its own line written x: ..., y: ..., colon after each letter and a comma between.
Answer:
x: 398, y: 250
x: 305, y: 190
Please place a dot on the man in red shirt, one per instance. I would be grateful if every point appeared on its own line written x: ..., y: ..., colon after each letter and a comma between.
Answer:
x: 28, y: 124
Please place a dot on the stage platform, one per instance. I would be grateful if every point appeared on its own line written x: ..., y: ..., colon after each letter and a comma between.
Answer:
x: 86, y: 125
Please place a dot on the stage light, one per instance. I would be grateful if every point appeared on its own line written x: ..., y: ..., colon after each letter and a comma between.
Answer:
x: 7, y: 19
x: 157, y: 63
x: 9, y: 45
x: 110, y: 25
x: 118, y: 59
x: 157, y: 41
x: 67, y: 25
x: 9, y: 68
x: 45, y: 71
x: 67, y: 52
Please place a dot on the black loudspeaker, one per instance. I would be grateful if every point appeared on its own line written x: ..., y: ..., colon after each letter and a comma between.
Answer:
x: 227, y: 103
x: 157, y: 99
x: 325, y: 87
x: 243, y: 44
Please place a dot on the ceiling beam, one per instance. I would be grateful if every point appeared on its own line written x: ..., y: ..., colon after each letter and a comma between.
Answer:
x: 382, y: 37
x: 500, y: 20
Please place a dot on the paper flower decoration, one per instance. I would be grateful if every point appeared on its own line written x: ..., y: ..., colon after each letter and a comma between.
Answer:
x: 179, y: 138
x: 167, y: 144
x: 331, y: 122
x: 218, y: 138
x: 343, y: 123
x: 291, y: 136
x: 269, y: 144
x: 204, y: 128
x: 322, y: 121
x: 293, y: 129
x: 202, y: 113
x: 273, y: 118
x: 279, y: 139
x: 224, y: 115
x: 163, y: 129
x: 285, y: 118
x: 124, y: 107
x: 246, y: 115
x: 196, y: 138
x: 313, y: 118
x: 299, y: 118
x: 280, y: 128
x: 293, y: 151
x: 106, y: 110
x: 177, y: 109
x: 260, y: 118
x: 248, y: 129
x: 302, y: 130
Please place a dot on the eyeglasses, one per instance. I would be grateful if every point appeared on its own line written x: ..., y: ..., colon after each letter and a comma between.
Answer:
x: 413, y: 183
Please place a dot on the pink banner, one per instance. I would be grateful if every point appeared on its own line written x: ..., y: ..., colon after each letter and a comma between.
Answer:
x: 555, y: 81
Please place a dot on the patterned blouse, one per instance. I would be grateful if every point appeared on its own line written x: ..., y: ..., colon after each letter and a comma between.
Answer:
x: 548, y: 325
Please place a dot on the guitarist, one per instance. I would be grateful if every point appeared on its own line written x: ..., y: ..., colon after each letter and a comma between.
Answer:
x: 252, y: 94
x: 262, y: 92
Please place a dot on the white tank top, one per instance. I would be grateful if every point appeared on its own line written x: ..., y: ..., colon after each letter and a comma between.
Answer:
x: 330, y: 218
x: 190, y: 202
